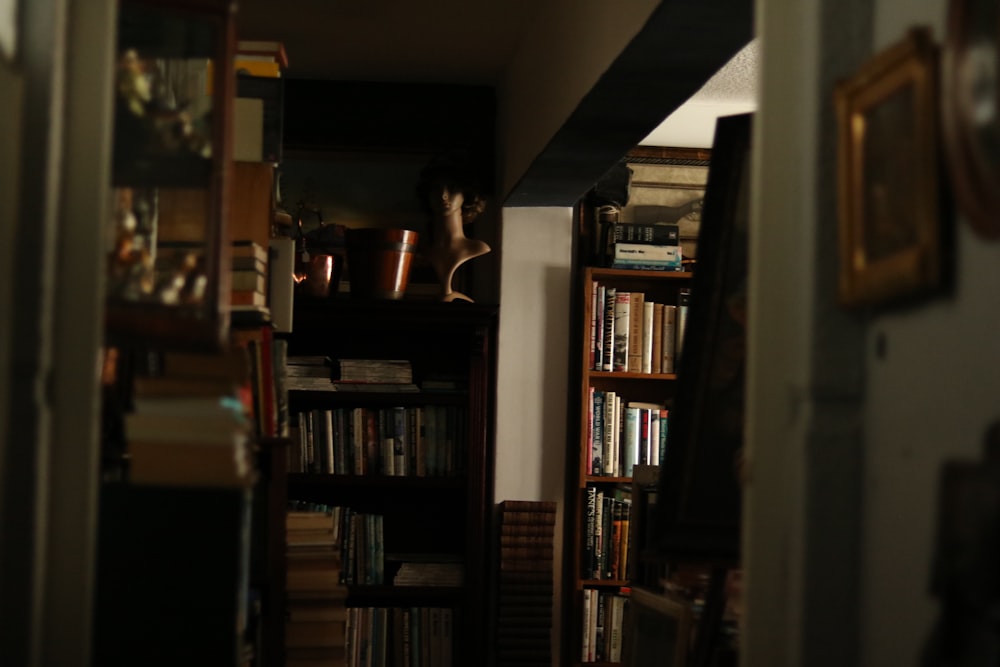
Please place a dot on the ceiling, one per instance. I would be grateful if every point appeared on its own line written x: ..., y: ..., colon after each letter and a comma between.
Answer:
x: 458, y: 42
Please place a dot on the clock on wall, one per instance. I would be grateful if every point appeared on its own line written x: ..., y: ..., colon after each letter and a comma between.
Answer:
x: 971, y: 111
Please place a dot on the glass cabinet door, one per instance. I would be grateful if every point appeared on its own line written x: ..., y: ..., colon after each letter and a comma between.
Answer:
x: 167, y: 282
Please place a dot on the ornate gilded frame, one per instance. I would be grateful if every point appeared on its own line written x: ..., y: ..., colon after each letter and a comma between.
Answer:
x: 888, y: 178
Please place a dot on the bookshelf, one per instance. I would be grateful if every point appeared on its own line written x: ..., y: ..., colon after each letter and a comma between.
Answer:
x: 601, y: 558
x: 431, y: 513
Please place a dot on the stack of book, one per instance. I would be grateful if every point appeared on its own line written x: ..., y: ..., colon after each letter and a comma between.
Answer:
x: 258, y: 110
x: 377, y: 371
x: 189, y: 426
x: 653, y: 247
x: 316, y: 618
x: 524, y: 599
x: 427, y: 570
x: 308, y: 373
x: 248, y: 277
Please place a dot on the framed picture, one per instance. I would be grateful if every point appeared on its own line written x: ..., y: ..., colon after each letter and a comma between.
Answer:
x: 699, y: 496
x: 887, y: 168
x: 668, y: 185
x: 970, y: 118
x: 656, y: 631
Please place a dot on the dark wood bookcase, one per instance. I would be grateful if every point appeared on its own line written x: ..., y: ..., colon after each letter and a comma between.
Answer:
x: 657, y: 286
x: 448, y: 514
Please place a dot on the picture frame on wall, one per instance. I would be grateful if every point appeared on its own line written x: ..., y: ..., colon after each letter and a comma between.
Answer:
x: 970, y: 116
x: 889, y: 214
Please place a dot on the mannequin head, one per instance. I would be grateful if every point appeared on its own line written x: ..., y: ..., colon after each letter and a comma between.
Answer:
x: 445, y: 186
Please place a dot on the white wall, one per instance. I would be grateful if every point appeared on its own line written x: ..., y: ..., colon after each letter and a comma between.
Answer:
x: 534, y: 364
x: 846, y: 442
x: 930, y: 399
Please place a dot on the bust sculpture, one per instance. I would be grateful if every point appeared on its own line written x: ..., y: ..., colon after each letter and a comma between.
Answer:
x: 451, y: 201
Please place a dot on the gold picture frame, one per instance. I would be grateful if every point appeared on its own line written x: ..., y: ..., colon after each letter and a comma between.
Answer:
x: 888, y: 175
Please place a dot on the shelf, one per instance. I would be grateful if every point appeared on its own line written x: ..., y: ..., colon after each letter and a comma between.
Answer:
x: 313, y: 398
x: 619, y: 375
x: 306, y: 479
x: 597, y: 542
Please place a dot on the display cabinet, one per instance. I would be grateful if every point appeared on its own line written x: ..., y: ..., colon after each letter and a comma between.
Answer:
x: 166, y: 243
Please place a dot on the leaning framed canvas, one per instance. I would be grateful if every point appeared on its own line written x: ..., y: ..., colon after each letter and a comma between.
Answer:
x: 656, y: 631
x: 887, y: 168
x: 699, y: 498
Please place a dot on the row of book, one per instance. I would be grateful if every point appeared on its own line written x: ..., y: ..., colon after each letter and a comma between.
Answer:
x: 624, y: 433
x: 603, y: 617
x: 606, y: 530
x: 319, y: 373
x: 631, y: 333
x: 398, y: 636
x: 524, y: 612
x: 414, y: 441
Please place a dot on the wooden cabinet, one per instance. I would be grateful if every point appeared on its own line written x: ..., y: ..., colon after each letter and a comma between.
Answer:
x: 599, y: 561
x: 167, y: 261
x: 427, y: 512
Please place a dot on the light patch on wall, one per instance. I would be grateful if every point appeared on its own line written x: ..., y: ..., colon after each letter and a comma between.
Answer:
x: 8, y: 29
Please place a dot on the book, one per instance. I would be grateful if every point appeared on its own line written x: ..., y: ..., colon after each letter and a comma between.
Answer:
x: 656, y: 345
x: 642, y: 252
x: 165, y: 386
x: 598, y: 325
x: 249, y: 66
x: 270, y: 49
x: 247, y: 297
x: 248, y: 248
x: 248, y: 263
x: 223, y: 429
x: 683, y: 304
x: 644, y: 265
x: 636, y: 342
x: 668, y: 342
x: 610, y: 295
x: 191, y: 464
x: 248, y: 279
x: 646, y: 355
x: 651, y: 234
x: 622, y: 330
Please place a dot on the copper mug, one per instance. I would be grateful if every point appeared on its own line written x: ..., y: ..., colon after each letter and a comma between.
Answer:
x: 314, y: 274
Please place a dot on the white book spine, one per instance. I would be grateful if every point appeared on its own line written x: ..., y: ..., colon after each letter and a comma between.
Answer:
x: 647, y: 336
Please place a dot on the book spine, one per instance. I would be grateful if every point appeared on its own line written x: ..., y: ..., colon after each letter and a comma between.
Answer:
x: 656, y: 348
x: 609, y: 429
x: 646, y: 361
x: 599, y: 329
x: 656, y: 234
x: 630, y: 440
x: 622, y: 329
x: 668, y: 344
x: 590, y: 516
x: 610, y: 296
x: 597, y: 435
x: 647, y: 253
x: 683, y: 304
x: 637, y: 302
x: 592, y: 324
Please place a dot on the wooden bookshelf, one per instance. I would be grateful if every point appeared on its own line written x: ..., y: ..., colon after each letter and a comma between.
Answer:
x: 585, y: 578
x: 446, y: 514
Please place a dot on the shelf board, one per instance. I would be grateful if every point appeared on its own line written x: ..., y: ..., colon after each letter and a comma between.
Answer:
x: 604, y: 479
x: 307, y: 479
x: 604, y: 583
x: 395, y: 398
x: 404, y: 593
x: 620, y: 375
x: 597, y: 272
